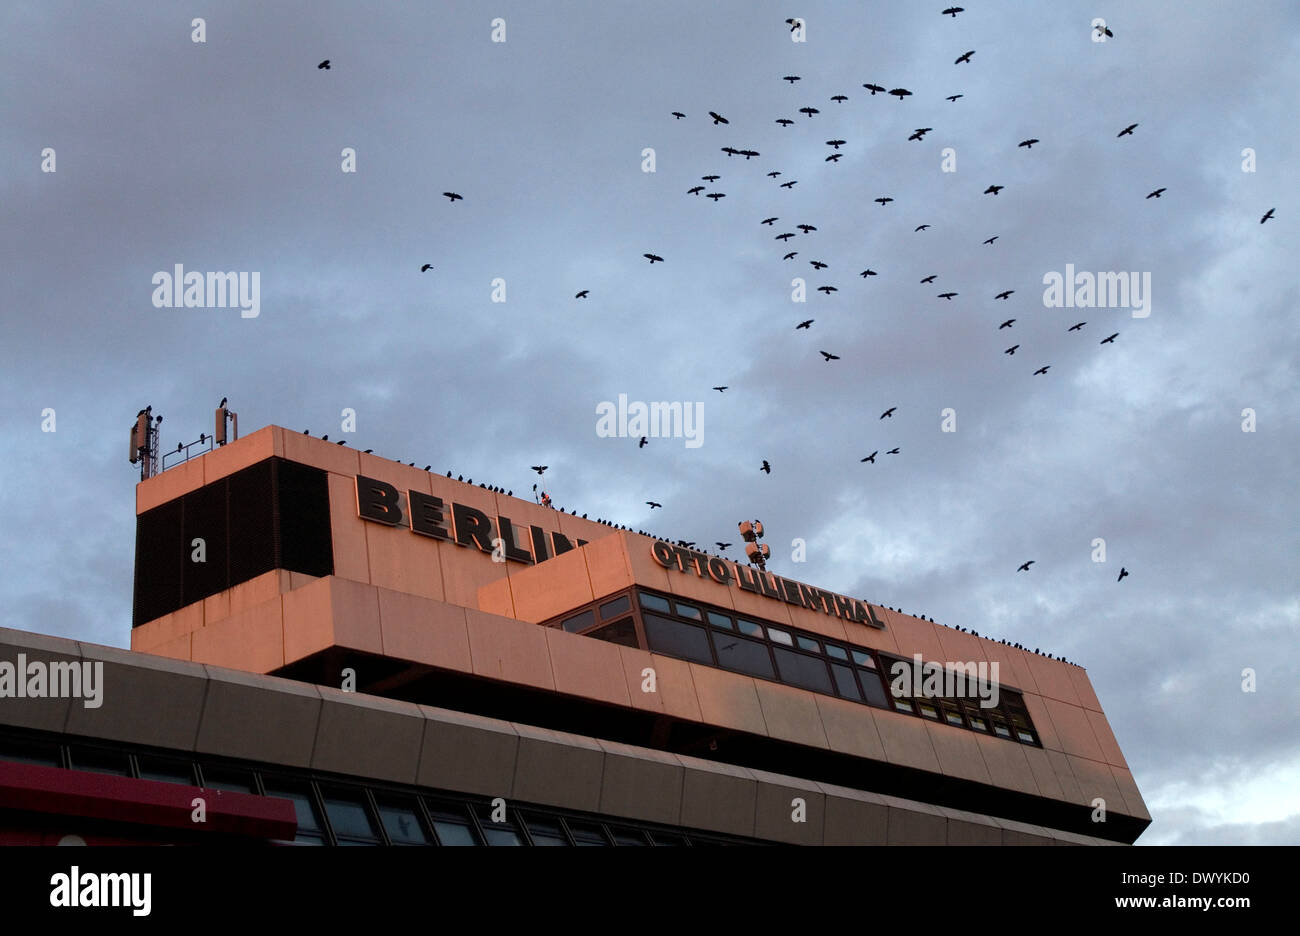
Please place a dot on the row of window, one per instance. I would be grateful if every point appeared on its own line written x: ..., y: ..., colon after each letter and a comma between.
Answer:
x: 334, y: 812
x: 714, y: 636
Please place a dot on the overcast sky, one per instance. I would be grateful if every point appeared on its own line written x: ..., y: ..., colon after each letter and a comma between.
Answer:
x: 226, y: 155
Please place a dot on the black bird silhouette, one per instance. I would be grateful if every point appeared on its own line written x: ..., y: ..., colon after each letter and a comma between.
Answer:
x: 678, y: 114
x: 653, y: 258
x: 766, y: 467
x: 1006, y: 324
x: 642, y: 443
x: 769, y: 220
x: 947, y: 295
x: 994, y: 189
x: 873, y: 88
x: 804, y: 324
x: 453, y: 197
x: 791, y: 255
x: 1268, y: 214
x: 721, y: 546
x: 920, y: 227
x: 794, y: 23
x: 718, y: 118
x: 900, y: 93
x: 1111, y: 339
x: 325, y: 65
x: 791, y: 184
x: 806, y: 228
x: 892, y: 451
x: 749, y: 153
x: 835, y: 143
x: 1042, y: 370
x: 931, y: 278
x: 991, y: 239
x: 720, y: 389
x: 339, y: 442
x: 889, y: 412
x: 583, y: 294
x: 828, y: 356
x: 711, y: 178
x: 1025, y: 567
x: 809, y: 111
x: 872, y: 457
x: 839, y: 98
x: 1122, y: 572
x: 964, y: 58
x: 786, y: 236
x: 716, y: 195
x: 773, y: 174
x: 325, y: 438
x: 426, y: 268
x: 784, y: 121
x: 368, y: 451
x: 1076, y: 326
x: 1004, y: 294
x: 1127, y: 131
x: 833, y: 157
x: 817, y: 264
x: 953, y: 11
x: 953, y: 97
x: 1011, y: 350
x: 883, y: 200
x: 1156, y: 194
x: 920, y: 132
x: 730, y: 151
x: 654, y: 504
x: 791, y: 78
x: 1105, y: 31
x: 866, y: 273
x: 695, y: 191
x: 537, y: 468
x: 1027, y: 144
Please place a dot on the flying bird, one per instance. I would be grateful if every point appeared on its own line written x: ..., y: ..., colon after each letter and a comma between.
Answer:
x: 791, y: 78
x: 1006, y: 324
x: 1105, y: 31
x: 426, y: 268
x: 835, y: 143
x: 678, y: 114
x: 695, y: 191
x: 964, y: 58
x: 1122, y: 572
x: 947, y: 295
x: 1111, y: 339
x: 1127, y: 131
x: 994, y: 189
x: 1011, y: 350
x: 827, y: 289
x: 786, y: 236
x: 889, y: 412
x: 453, y: 197
x: 716, y: 195
x: 828, y: 356
x: 773, y: 174
x: 654, y: 504
x: 711, y: 178
x: 769, y: 220
x: 953, y: 11
x: 730, y: 151
x: 991, y: 239
x: 817, y: 264
x: 892, y: 451
x: 953, y: 97
x: 791, y: 255
x: 884, y: 200
x: 1042, y: 370
x: 1025, y: 567
x: 1076, y: 326
x: 804, y: 324
x: 921, y: 227
x: 791, y: 184
x: 931, y: 278
x: 583, y: 294
x: 1004, y: 294
x: 833, y: 157
x: 873, y: 88
x: 653, y: 258
x: 866, y: 273
x: 719, y: 389
x: 794, y: 23
x: 839, y: 98
x: 325, y: 65
x: 642, y: 443
x: 806, y: 228
x: 1156, y: 194
x: 809, y: 111
x: 718, y: 118
x: 537, y: 468
x: 1268, y: 214
x: 900, y: 93
x: 872, y: 457
x: 766, y: 468
x: 721, y: 546
x: 784, y: 121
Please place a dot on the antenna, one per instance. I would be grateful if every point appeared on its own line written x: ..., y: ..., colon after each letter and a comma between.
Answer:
x: 144, y: 442
x: 219, y: 418
x: 758, y: 553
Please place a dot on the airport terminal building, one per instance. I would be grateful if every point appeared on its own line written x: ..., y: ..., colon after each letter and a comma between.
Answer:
x: 329, y: 647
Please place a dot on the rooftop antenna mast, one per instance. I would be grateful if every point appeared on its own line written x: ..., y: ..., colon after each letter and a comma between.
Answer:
x: 145, y: 450
x: 539, y: 494
x: 758, y: 553
x: 220, y: 418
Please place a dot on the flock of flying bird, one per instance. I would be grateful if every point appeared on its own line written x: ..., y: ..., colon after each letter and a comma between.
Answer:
x: 819, y: 265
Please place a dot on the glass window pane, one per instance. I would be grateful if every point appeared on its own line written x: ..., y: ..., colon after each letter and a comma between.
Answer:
x: 838, y: 653
x: 165, y: 769
x: 807, y: 643
x: 954, y: 718
x: 863, y: 659
x: 798, y: 669
x: 620, y: 632
x: 309, y: 826
x: 845, y: 683
x: 401, y: 821
x: 228, y: 779
x: 1025, y: 736
x: 497, y: 833
x: 546, y: 831
x: 903, y: 705
x: 719, y: 620
x: 586, y: 833
x: 750, y: 628
x: 628, y: 836
x: 873, y: 688
x: 349, y: 815
x: 1001, y: 730
x: 677, y: 639
x: 928, y: 710
x: 611, y: 609
x: 667, y: 838
x: 580, y: 621
x: 978, y: 723
x: 654, y: 602
x: 780, y: 636
x: 689, y: 611
x: 743, y: 656
x: 41, y: 753
x: 100, y: 761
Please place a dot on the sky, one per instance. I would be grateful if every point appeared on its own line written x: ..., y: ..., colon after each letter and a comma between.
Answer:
x: 229, y: 155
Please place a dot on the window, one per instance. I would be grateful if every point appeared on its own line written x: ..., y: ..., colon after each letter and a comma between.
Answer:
x: 497, y: 833
x: 928, y: 710
x: 808, y: 644
x: 310, y: 831
x: 720, y: 620
x: 845, y: 683
x: 953, y: 717
x: 349, y: 817
x: 689, y: 611
x: 743, y: 656
x: 837, y: 653
x: 165, y: 769
x: 401, y: 820
x: 228, y: 779
x: 99, y: 760
x: 677, y: 639
x: 580, y: 622
x: 750, y: 628
x: 41, y: 753
x: 873, y: 688
x: 612, y: 609
x: 620, y: 632
x: 802, y: 670
x: 864, y: 659
x: 779, y: 636
x: 451, y: 825
x: 546, y: 831
x: 1001, y: 730
x: 586, y: 833
x: 628, y: 836
x: 655, y: 603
